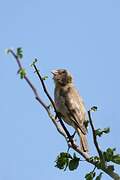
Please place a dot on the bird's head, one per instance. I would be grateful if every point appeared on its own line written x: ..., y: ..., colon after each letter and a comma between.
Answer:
x: 62, y: 76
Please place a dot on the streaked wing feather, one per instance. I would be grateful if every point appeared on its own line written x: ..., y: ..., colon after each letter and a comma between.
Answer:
x: 75, y: 107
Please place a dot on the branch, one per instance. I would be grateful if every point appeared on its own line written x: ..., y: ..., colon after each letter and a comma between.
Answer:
x: 94, y: 136
x: 59, y: 128
x: 60, y: 125
x: 112, y: 174
x: 52, y: 102
x: 104, y: 166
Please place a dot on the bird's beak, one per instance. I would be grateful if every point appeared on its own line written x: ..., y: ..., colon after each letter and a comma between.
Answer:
x: 54, y: 72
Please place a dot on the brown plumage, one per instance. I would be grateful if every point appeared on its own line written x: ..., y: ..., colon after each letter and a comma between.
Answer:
x: 70, y: 105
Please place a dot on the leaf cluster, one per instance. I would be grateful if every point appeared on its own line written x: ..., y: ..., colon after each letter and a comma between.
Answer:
x: 99, y: 132
x: 19, y: 52
x: 110, y: 155
x: 65, y: 160
x: 22, y: 73
x: 92, y: 174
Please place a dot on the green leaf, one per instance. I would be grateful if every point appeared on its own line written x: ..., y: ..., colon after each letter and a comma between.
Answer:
x: 106, y: 130
x: 99, y: 176
x: 22, y: 73
x: 73, y: 164
x: 99, y: 132
x: 44, y: 78
x: 90, y: 176
x: 108, y: 154
x: 62, y: 160
x: 110, y: 151
x: 94, y: 108
x: 34, y: 62
x: 116, y: 159
x: 19, y: 53
x: 111, y: 168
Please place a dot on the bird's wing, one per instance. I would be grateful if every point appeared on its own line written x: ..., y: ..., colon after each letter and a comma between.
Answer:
x: 75, y: 107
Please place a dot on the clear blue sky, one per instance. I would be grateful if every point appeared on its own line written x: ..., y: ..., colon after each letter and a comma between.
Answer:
x: 82, y: 36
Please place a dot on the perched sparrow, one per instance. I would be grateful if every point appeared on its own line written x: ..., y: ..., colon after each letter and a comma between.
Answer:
x: 70, y: 105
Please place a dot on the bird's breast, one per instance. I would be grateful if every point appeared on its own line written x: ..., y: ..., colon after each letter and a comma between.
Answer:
x: 61, y: 107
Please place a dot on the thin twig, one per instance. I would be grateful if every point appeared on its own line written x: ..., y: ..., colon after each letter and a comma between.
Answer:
x: 94, y: 136
x: 28, y: 81
x: 52, y: 102
x: 94, y: 169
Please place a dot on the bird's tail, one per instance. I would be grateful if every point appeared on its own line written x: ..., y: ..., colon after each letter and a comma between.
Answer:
x: 83, y: 141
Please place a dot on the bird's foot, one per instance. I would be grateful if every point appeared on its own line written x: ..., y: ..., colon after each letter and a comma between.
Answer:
x: 70, y: 139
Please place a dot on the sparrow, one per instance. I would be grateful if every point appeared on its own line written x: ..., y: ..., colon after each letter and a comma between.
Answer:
x: 70, y: 105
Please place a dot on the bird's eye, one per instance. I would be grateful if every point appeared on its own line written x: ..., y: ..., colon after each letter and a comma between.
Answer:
x: 63, y: 71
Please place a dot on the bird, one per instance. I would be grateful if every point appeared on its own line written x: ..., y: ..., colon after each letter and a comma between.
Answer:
x: 69, y: 104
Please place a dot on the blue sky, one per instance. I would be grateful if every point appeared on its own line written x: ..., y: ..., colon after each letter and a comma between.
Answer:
x: 82, y: 36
